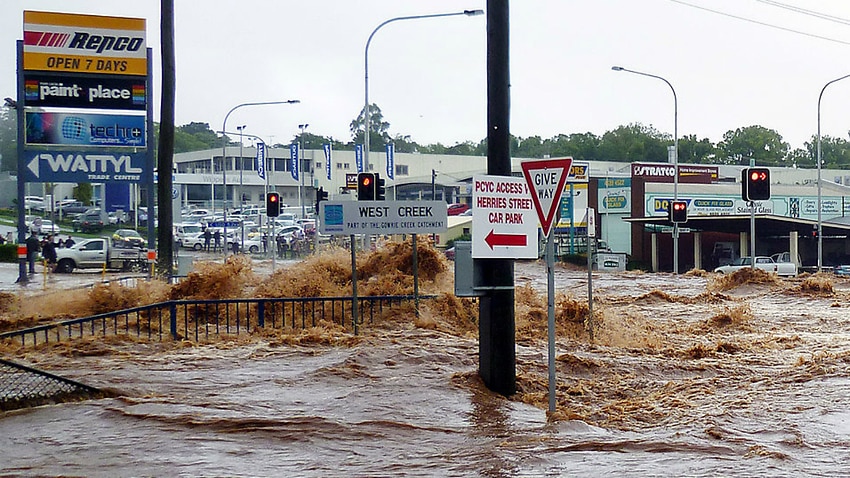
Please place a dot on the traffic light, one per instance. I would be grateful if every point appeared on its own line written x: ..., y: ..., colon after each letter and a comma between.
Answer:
x: 678, y: 212
x: 380, y: 190
x: 321, y: 195
x: 273, y: 204
x: 755, y: 184
x: 366, y: 186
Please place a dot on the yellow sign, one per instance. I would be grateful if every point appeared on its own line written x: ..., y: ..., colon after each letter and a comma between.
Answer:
x: 84, y: 44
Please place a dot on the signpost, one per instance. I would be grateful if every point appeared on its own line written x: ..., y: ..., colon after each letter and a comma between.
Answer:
x: 545, y: 180
x: 504, y: 219
x: 381, y: 217
x: 83, y: 63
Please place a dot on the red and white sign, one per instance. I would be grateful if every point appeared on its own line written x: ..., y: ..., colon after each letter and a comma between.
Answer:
x: 545, y: 179
x: 504, y: 223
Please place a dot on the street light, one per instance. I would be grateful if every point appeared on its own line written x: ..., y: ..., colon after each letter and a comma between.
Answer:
x: 820, y: 221
x: 675, y: 157
x: 366, y: 116
x: 224, y: 159
x: 241, y: 185
x: 302, y: 127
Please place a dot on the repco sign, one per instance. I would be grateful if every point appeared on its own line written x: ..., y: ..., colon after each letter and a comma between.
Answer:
x: 664, y: 173
x: 84, y: 43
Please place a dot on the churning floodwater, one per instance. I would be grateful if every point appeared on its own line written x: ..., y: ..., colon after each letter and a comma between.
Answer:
x: 689, y: 375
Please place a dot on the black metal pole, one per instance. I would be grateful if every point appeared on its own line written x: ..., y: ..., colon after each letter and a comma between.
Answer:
x: 23, y: 278
x: 496, y: 325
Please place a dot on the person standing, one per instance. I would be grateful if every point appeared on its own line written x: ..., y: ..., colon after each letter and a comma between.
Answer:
x: 69, y: 242
x: 48, y: 250
x: 207, y: 237
x: 217, y: 239
x: 33, y: 247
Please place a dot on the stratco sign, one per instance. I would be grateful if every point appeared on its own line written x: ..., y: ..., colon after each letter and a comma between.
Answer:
x: 102, y: 92
x: 84, y: 43
x: 663, y: 173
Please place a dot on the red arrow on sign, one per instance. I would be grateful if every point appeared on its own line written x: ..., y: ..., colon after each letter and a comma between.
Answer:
x: 494, y: 239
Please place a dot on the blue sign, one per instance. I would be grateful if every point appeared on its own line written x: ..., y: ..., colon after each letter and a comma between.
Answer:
x: 327, y: 148
x: 230, y: 224
x: 73, y: 166
x: 84, y: 129
x: 117, y: 197
x: 391, y: 160
x: 293, y: 160
x: 358, y: 157
x: 261, y: 160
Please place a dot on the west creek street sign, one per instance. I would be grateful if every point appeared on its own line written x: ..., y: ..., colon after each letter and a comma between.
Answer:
x: 382, y: 217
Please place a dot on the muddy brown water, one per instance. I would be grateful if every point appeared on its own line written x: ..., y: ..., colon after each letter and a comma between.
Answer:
x: 680, y: 380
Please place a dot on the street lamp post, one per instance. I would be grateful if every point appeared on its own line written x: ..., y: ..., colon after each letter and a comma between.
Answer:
x: 820, y: 218
x: 224, y: 158
x: 675, y: 158
x: 302, y: 127
x: 366, y: 116
x: 241, y: 186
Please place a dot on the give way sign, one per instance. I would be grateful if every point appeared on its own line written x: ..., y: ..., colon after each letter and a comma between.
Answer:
x: 545, y: 180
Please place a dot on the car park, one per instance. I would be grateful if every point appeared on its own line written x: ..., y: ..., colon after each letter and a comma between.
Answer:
x: 35, y: 203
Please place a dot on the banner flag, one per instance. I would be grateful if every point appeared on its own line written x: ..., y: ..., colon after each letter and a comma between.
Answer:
x: 328, y: 150
x: 293, y: 160
x: 391, y: 160
x: 358, y: 157
x: 261, y: 160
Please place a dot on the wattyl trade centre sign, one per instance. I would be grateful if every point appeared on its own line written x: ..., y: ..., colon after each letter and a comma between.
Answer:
x: 63, y: 42
x: 382, y: 217
x: 504, y: 220
x: 83, y: 167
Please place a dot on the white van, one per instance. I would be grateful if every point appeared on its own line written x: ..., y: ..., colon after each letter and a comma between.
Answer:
x: 181, y: 231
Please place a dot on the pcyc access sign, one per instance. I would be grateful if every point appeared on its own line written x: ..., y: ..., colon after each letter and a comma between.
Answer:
x: 504, y: 222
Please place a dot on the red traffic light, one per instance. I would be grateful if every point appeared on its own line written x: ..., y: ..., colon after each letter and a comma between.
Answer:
x: 757, y: 175
x: 273, y: 198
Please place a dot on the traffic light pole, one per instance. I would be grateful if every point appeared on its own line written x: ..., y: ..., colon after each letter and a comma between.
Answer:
x: 752, y: 234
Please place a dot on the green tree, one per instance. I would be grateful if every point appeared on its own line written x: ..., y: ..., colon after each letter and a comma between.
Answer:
x: 634, y: 142
x: 696, y: 151
x: 83, y: 193
x: 378, y: 128
x: 581, y: 146
x: 8, y: 139
x: 762, y: 144
x: 835, y: 153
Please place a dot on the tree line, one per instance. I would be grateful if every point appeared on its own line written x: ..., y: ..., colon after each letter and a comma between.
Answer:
x: 628, y: 143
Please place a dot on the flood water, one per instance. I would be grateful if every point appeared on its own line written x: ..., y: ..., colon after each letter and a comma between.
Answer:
x: 679, y: 380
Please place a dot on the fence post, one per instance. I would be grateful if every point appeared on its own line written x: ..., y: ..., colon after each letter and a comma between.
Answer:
x: 261, y: 313
x: 173, y: 312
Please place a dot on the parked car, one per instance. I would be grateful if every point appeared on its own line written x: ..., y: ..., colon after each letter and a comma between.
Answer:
x: 457, y: 209
x: 88, y: 222
x: 35, y: 203
x: 788, y: 269
x: 47, y: 227
x: 843, y: 270
x: 72, y: 208
x: 450, y: 253
x: 181, y: 231
x: 127, y: 238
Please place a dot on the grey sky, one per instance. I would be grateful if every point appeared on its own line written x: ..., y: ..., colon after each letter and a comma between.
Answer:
x: 429, y: 76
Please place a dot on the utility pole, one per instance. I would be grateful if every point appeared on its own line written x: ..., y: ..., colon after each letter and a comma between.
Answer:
x: 496, y: 324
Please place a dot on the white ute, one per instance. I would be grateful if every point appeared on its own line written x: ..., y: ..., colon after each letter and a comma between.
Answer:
x: 786, y: 269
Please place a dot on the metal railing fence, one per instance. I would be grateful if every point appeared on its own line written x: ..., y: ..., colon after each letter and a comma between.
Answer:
x: 201, y: 319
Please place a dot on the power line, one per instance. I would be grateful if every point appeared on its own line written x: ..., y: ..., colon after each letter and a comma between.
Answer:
x: 764, y: 24
x: 812, y: 13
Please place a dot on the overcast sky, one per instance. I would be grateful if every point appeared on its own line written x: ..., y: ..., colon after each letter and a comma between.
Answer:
x: 747, y: 62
